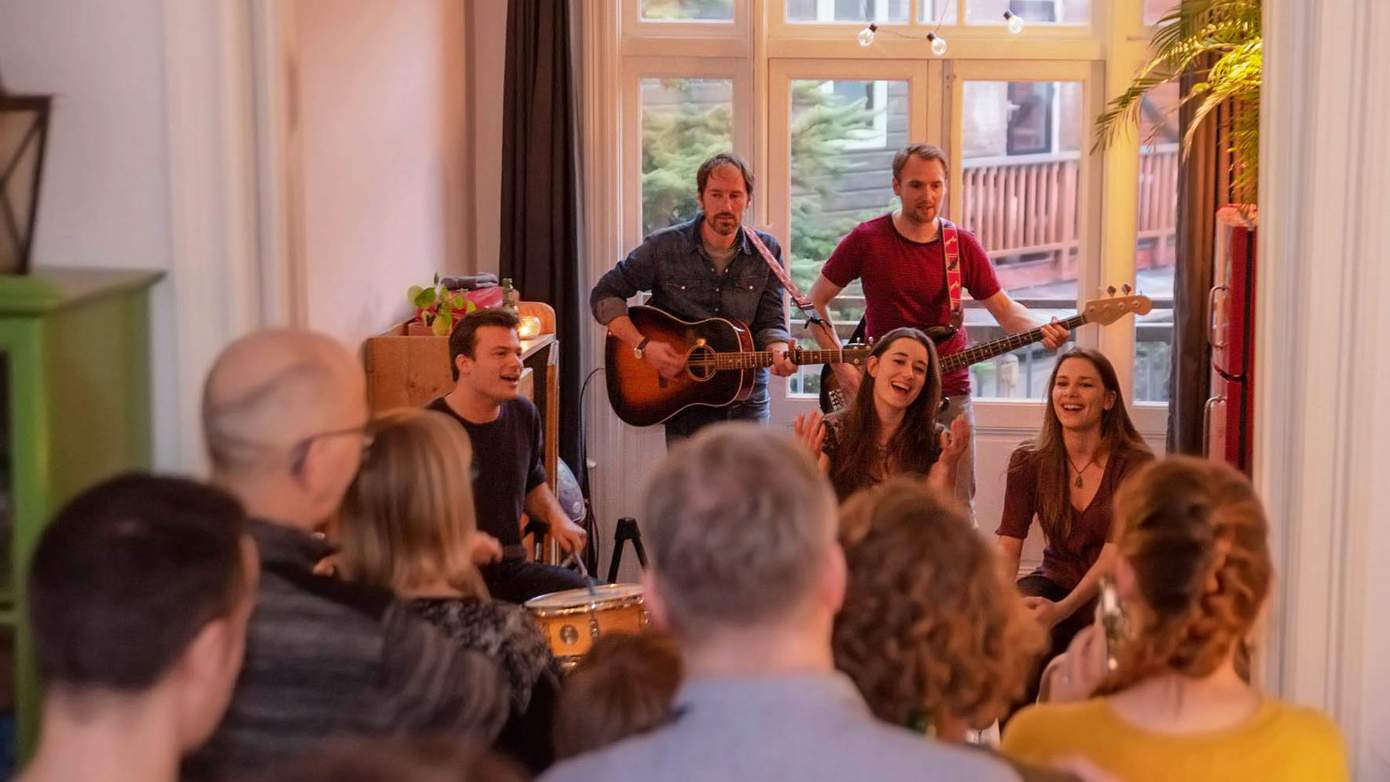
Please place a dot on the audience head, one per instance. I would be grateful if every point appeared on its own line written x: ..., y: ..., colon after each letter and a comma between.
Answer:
x: 736, y: 165
x: 1194, y: 567
x: 1084, y: 394
x: 285, y: 420
x: 623, y: 686
x: 485, y: 354
x: 932, y: 628
x: 407, y: 519
x: 923, y: 152
x: 740, y: 526
x: 903, y: 373
x: 420, y: 759
x: 144, y: 584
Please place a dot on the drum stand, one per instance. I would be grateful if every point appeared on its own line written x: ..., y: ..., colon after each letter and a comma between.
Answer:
x: 627, y: 530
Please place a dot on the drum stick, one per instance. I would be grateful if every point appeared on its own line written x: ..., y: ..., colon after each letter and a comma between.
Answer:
x: 583, y: 571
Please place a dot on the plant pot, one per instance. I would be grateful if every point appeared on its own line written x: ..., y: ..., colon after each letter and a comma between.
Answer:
x: 417, y: 329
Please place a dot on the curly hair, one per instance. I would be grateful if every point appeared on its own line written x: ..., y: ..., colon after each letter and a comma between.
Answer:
x: 1195, y: 535
x: 931, y: 626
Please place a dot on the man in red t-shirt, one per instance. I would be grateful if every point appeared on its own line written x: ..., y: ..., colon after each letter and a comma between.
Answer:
x: 899, y: 257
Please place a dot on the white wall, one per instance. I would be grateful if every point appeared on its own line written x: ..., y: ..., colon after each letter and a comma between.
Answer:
x: 105, y: 196
x: 487, y: 60
x: 1322, y: 362
x: 383, y: 90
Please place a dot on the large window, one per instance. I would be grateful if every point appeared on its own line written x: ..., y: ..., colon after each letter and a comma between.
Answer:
x: 1156, y: 250
x: 841, y: 142
x: 684, y: 121
x: 688, y: 10
x: 787, y: 84
x: 1021, y: 187
x: 1033, y: 11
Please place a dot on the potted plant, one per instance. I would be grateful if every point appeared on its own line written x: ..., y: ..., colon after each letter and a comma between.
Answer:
x: 436, y: 309
x: 1220, y: 42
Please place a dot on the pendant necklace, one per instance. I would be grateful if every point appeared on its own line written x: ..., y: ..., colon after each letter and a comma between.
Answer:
x: 1077, y: 484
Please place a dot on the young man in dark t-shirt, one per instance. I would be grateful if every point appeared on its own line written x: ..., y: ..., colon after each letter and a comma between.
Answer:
x: 508, y: 474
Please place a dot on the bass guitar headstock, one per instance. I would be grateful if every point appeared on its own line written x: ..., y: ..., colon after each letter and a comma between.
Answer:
x: 1108, y: 309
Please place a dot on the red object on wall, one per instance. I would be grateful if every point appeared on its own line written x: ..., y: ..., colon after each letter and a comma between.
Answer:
x: 1230, y: 412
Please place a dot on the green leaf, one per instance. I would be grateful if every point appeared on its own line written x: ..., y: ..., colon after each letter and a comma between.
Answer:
x: 424, y: 298
x: 442, y: 325
x: 412, y: 293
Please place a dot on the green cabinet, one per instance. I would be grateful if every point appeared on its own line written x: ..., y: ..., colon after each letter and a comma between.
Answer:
x: 74, y: 409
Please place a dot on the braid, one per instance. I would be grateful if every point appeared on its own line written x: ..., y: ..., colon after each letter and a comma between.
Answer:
x: 1194, y: 534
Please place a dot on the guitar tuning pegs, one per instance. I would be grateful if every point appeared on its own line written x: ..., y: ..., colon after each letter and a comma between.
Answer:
x: 1110, y: 290
x: 1126, y: 288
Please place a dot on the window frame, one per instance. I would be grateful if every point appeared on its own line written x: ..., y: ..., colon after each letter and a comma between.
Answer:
x: 1109, y: 48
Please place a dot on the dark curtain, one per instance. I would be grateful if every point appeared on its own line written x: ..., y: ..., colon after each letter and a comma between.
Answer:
x: 1204, y: 184
x: 539, y: 242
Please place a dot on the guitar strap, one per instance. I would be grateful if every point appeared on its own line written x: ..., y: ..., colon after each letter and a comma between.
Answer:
x: 950, y: 244
x: 781, y: 274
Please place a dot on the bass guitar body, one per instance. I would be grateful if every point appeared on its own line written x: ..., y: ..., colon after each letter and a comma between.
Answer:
x: 642, y: 397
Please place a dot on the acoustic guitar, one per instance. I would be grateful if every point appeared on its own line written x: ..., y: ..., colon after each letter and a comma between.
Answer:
x: 1102, y: 311
x: 721, y: 366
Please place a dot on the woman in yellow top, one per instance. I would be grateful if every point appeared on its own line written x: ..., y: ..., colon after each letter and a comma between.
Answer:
x: 1192, y: 575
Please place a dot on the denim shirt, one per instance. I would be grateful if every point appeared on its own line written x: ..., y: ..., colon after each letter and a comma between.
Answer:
x: 684, y: 282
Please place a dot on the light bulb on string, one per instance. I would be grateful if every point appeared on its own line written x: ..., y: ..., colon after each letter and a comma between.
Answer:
x: 866, y: 36
x: 1014, y: 21
x: 938, y: 44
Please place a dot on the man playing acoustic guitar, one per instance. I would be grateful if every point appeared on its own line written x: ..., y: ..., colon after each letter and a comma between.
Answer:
x: 903, y: 258
x: 708, y: 267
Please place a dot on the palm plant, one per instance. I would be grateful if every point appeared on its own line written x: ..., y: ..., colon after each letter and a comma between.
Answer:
x: 1219, y: 42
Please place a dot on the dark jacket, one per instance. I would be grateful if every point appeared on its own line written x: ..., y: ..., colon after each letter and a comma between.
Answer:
x: 327, y: 658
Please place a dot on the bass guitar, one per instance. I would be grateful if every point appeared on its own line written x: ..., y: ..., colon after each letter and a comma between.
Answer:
x: 1102, y: 311
x: 721, y: 366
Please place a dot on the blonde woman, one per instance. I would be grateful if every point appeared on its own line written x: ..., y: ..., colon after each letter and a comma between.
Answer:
x: 407, y: 525
x: 1193, y: 573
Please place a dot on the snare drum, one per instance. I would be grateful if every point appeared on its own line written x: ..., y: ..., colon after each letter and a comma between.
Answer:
x: 573, y: 619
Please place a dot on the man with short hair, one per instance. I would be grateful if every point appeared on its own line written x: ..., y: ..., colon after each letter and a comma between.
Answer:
x: 286, y: 424
x: 508, y: 452
x: 746, y: 573
x: 708, y: 267
x: 902, y: 259
x: 139, y: 594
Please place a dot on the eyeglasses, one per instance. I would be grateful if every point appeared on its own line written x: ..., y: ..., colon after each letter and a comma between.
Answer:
x: 300, y: 449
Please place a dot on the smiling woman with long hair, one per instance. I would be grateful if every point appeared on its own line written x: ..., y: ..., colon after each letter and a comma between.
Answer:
x: 1067, y: 477
x: 891, y: 426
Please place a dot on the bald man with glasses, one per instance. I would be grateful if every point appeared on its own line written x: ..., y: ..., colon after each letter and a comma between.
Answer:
x: 286, y: 422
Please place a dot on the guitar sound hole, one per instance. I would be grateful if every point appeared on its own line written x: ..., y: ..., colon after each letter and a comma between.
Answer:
x: 700, y: 363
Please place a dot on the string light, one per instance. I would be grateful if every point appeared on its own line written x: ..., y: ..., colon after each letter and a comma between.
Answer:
x: 1014, y: 21
x: 938, y: 44
x: 870, y: 32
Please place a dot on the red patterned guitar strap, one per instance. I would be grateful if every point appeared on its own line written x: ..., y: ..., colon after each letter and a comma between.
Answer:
x: 950, y: 243
x: 780, y: 273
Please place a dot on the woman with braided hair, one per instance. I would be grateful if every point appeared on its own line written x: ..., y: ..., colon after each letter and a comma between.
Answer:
x: 1193, y: 572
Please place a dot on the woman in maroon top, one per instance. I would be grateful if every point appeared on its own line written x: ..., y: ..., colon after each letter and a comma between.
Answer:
x: 1067, y: 477
x: 891, y: 427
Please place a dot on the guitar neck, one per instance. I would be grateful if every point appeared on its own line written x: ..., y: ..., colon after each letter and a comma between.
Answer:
x: 999, y: 347
x: 753, y: 359
x: 836, y: 356
x: 757, y: 359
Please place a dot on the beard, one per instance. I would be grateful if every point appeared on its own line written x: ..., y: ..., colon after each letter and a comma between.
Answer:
x: 724, y: 223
